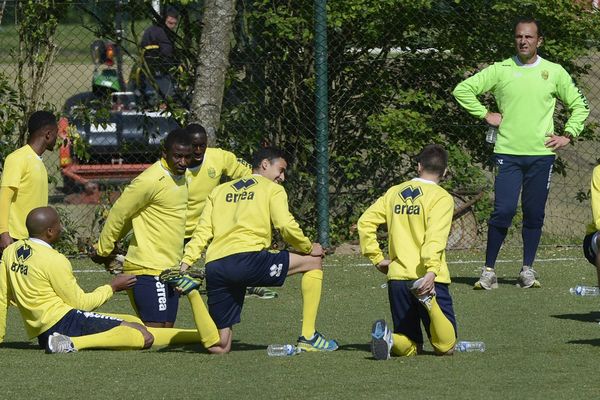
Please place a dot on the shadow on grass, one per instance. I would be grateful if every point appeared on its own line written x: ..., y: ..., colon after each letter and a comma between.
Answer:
x: 591, y: 342
x: 198, y: 348
x: 356, y: 347
x: 470, y: 280
x: 21, y: 346
x: 592, y: 316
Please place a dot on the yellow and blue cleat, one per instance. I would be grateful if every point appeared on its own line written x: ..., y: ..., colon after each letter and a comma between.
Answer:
x: 317, y: 343
x: 184, y: 282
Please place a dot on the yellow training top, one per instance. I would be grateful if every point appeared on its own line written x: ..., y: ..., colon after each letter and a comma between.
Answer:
x: 205, y: 177
x: 595, y: 200
x: 238, y: 217
x: 154, y: 203
x: 418, y: 214
x: 40, y: 281
x: 25, y: 171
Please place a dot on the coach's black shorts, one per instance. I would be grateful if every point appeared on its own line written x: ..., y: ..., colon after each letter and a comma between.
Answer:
x: 408, y: 313
x: 228, y: 277
x: 155, y: 301
x: 80, y: 323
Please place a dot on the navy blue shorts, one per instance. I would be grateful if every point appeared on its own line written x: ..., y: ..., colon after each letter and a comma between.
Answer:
x: 155, y: 301
x: 228, y: 277
x: 589, y: 247
x: 80, y: 323
x: 408, y: 313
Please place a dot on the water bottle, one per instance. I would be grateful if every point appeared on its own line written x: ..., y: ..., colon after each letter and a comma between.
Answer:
x: 465, y: 346
x: 491, y: 134
x: 282, y: 350
x: 581, y: 290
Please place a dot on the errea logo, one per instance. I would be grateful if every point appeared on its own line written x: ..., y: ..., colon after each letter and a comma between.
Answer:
x: 276, y: 270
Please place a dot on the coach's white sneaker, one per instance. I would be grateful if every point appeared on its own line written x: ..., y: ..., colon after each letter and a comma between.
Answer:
x: 528, y: 278
x: 58, y: 343
x: 487, y: 280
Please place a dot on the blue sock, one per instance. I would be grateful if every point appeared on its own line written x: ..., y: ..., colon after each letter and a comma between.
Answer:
x: 495, y: 238
x: 531, y: 240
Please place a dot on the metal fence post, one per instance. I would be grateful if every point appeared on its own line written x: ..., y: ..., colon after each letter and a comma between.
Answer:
x: 322, y: 116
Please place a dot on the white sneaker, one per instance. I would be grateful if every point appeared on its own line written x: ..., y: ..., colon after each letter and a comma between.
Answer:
x: 487, y: 280
x: 58, y: 343
x: 381, y: 340
x: 424, y: 299
x: 528, y: 278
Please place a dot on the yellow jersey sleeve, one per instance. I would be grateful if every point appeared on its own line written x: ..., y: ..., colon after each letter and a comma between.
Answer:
x: 285, y: 222
x: 235, y: 167
x: 367, y: 226
x: 202, y: 235
x: 65, y: 285
x: 7, y: 193
x: 595, y: 200
x: 135, y: 196
x: 3, y: 300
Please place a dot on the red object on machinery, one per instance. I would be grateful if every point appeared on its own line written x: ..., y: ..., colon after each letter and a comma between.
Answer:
x: 86, y: 173
x: 110, y: 54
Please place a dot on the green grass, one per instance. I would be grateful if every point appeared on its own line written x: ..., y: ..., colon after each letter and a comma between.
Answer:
x: 541, y: 343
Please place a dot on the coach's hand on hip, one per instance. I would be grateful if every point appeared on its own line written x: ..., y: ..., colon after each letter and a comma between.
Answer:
x: 556, y: 142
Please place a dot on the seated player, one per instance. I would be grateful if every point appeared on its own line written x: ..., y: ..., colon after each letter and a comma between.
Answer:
x: 237, y: 217
x: 418, y: 214
x: 56, y: 310
x: 592, y: 238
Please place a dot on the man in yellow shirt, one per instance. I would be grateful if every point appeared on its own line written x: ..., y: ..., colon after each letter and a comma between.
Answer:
x: 56, y: 310
x: 591, y: 241
x: 418, y: 215
x: 25, y: 179
x: 206, y: 169
x: 238, y: 216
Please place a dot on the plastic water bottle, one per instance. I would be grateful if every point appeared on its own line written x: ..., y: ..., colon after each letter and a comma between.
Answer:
x: 581, y: 290
x: 465, y: 346
x: 282, y: 350
x: 491, y: 134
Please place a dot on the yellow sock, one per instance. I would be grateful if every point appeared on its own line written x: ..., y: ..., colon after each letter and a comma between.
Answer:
x: 312, y: 282
x: 117, y: 338
x: 403, y: 346
x: 443, y: 337
x: 168, y: 336
x: 209, y: 334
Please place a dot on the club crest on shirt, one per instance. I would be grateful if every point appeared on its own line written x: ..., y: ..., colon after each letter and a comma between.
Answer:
x: 545, y: 75
x: 212, y: 173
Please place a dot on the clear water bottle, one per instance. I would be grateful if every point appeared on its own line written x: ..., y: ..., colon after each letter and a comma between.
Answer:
x: 282, y: 350
x: 465, y: 346
x: 491, y: 134
x: 581, y: 290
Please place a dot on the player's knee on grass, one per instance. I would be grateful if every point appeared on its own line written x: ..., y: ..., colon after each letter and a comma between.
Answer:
x: 444, y: 349
x: 148, y: 338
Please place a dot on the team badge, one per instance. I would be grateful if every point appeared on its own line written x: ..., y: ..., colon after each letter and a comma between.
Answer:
x: 212, y: 173
x: 410, y: 193
x: 545, y: 75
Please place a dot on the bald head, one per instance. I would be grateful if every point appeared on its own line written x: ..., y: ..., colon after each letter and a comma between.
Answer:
x: 42, y: 223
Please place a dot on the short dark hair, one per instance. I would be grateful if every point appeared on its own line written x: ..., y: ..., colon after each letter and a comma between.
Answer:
x: 528, y: 20
x: 433, y: 158
x: 196, y: 128
x: 266, y: 153
x: 171, y: 11
x: 179, y: 136
x: 39, y: 120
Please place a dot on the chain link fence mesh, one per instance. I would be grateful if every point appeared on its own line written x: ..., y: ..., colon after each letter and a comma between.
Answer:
x: 392, y: 65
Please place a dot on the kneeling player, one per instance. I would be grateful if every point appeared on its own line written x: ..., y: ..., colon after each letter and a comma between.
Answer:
x: 418, y: 214
x: 56, y: 310
x: 238, y: 217
x: 591, y: 241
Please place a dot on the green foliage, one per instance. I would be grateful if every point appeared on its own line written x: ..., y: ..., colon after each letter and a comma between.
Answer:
x: 10, y: 114
x: 392, y: 67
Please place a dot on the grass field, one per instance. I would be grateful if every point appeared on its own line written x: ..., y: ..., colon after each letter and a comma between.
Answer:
x: 541, y: 344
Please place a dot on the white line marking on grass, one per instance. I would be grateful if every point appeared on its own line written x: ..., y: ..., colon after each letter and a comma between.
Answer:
x: 481, y: 261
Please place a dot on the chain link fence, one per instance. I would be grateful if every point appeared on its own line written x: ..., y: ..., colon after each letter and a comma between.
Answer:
x: 392, y: 65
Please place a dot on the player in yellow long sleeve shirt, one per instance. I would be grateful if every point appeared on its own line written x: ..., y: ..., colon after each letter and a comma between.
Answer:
x: 418, y: 215
x: 237, y: 217
x: 154, y: 204
x: 591, y: 241
x: 24, y: 183
x: 55, y: 309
